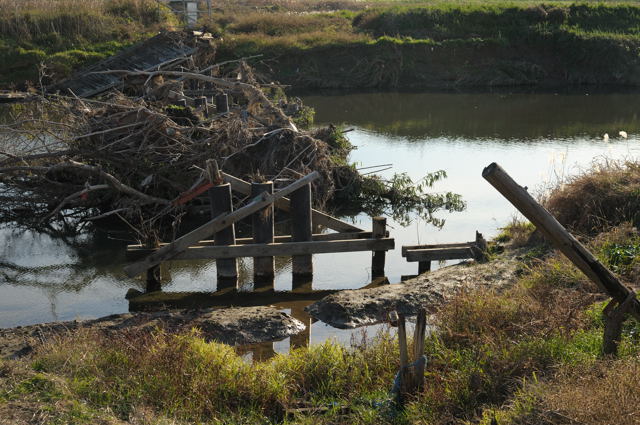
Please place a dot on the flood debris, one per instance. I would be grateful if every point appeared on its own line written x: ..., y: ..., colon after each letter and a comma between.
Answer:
x: 234, y: 326
x: 139, y: 153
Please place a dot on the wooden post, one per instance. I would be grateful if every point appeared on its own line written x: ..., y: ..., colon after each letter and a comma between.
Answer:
x: 262, y: 224
x: 424, y: 266
x: 222, y: 103
x: 614, y: 314
x: 222, y: 202
x: 154, y: 279
x: 558, y: 235
x: 301, y: 231
x: 377, y: 259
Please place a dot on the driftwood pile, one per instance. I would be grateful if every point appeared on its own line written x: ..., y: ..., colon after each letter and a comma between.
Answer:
x: 142, y: 158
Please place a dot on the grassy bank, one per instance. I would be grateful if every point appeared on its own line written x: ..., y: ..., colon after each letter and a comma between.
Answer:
x: 530, y: 354
x: 355, y: 44
x: 51, y: 38
x: 443, y: 44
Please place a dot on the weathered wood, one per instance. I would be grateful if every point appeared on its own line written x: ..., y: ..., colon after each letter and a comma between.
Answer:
x: 379, y: 230
x: 406, y: 248
x: 424, y: 267
x: 283, y: 249
x: 318, y: 217
x: 222, y: 103
x: 558, y: 235
x: 301, y: 265
x: 437, y: 254
x: 221, y: 201
x: 262, y: 226
x: 138, y: 251
x: 417, y: 373
x: 184, y: 242
x: 614, y: 316
x: 153, y: 279
x: 402, y: 341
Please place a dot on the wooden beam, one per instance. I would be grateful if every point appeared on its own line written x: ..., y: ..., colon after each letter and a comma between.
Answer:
x: 283, y: 249
x: 206, y: 230
x: 406, y: 248
x: 439, y: 254
x: 283, y: 204
x: 558, y: 235
x: 138, y: 250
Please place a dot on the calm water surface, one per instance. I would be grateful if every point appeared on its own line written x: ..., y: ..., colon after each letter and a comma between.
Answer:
x: 537, y: 138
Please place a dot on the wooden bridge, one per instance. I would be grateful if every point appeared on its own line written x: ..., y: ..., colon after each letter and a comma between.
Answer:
x: 224, y: 248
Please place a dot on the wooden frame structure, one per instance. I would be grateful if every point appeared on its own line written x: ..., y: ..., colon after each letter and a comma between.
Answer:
x: 263, y: 246
x: 425, y: 254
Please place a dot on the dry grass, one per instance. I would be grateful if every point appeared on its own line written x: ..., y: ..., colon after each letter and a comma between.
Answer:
x: 604, y: 196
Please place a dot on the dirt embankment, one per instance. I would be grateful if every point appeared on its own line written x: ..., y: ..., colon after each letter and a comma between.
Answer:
x: 234, y: 326
x: 360, y: 307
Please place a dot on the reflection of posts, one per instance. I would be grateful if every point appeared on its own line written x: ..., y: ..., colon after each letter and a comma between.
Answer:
x: 262, y: 223
x: 301, y: 265
x: 303, y: 338
x: 378, y: 257
x: 221, y: 202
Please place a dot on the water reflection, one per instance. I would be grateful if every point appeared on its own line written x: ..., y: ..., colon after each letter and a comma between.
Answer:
x: 498, y: 117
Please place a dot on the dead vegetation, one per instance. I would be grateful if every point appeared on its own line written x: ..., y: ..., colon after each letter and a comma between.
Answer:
x: 142, y: 157
x: 603, y: 196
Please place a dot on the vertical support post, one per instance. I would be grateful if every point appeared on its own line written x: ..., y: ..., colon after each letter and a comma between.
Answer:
x: 424, y: 266
x: 154, y: 279
x: 222, y: 103
x: 201, y: 102
x: 379, y: 230
x: 222, y: 202
x: 302, y: 265
x: 262, y: 223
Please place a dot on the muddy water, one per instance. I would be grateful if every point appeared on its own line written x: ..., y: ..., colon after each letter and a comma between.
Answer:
x: 537, y: 138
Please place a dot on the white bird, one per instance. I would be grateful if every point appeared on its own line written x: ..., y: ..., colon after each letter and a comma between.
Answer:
x: 623, y: 134
x: 605, y: 137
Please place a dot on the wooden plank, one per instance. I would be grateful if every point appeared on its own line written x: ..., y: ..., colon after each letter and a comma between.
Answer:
x: 182, y: 243
x: 262, y: 224
x: 439, y: 254
x: 283, y: 249
x: 138, y: 250
x: 558, y: 235
x: 406, y: 248
x: 301, y: 231
x: 379, y: 230
x: 284, y: 204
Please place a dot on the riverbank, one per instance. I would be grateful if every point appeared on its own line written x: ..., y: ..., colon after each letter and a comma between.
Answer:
x: 355, y: 44
x: 507, y: 356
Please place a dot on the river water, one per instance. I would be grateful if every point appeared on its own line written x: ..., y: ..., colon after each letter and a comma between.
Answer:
x: 539, y: 139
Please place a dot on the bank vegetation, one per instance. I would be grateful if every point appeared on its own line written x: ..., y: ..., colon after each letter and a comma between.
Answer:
x: 356, y: 44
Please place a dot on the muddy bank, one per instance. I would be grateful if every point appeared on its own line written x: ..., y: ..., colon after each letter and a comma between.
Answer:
x: 234, y: 326
x: 360, y: 307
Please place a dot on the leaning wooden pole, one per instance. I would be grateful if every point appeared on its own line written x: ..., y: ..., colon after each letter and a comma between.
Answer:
x: 558, y: 235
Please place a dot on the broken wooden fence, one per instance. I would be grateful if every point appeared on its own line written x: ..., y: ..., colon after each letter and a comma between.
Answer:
x: 263, y: 245
x: 425, y: 254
